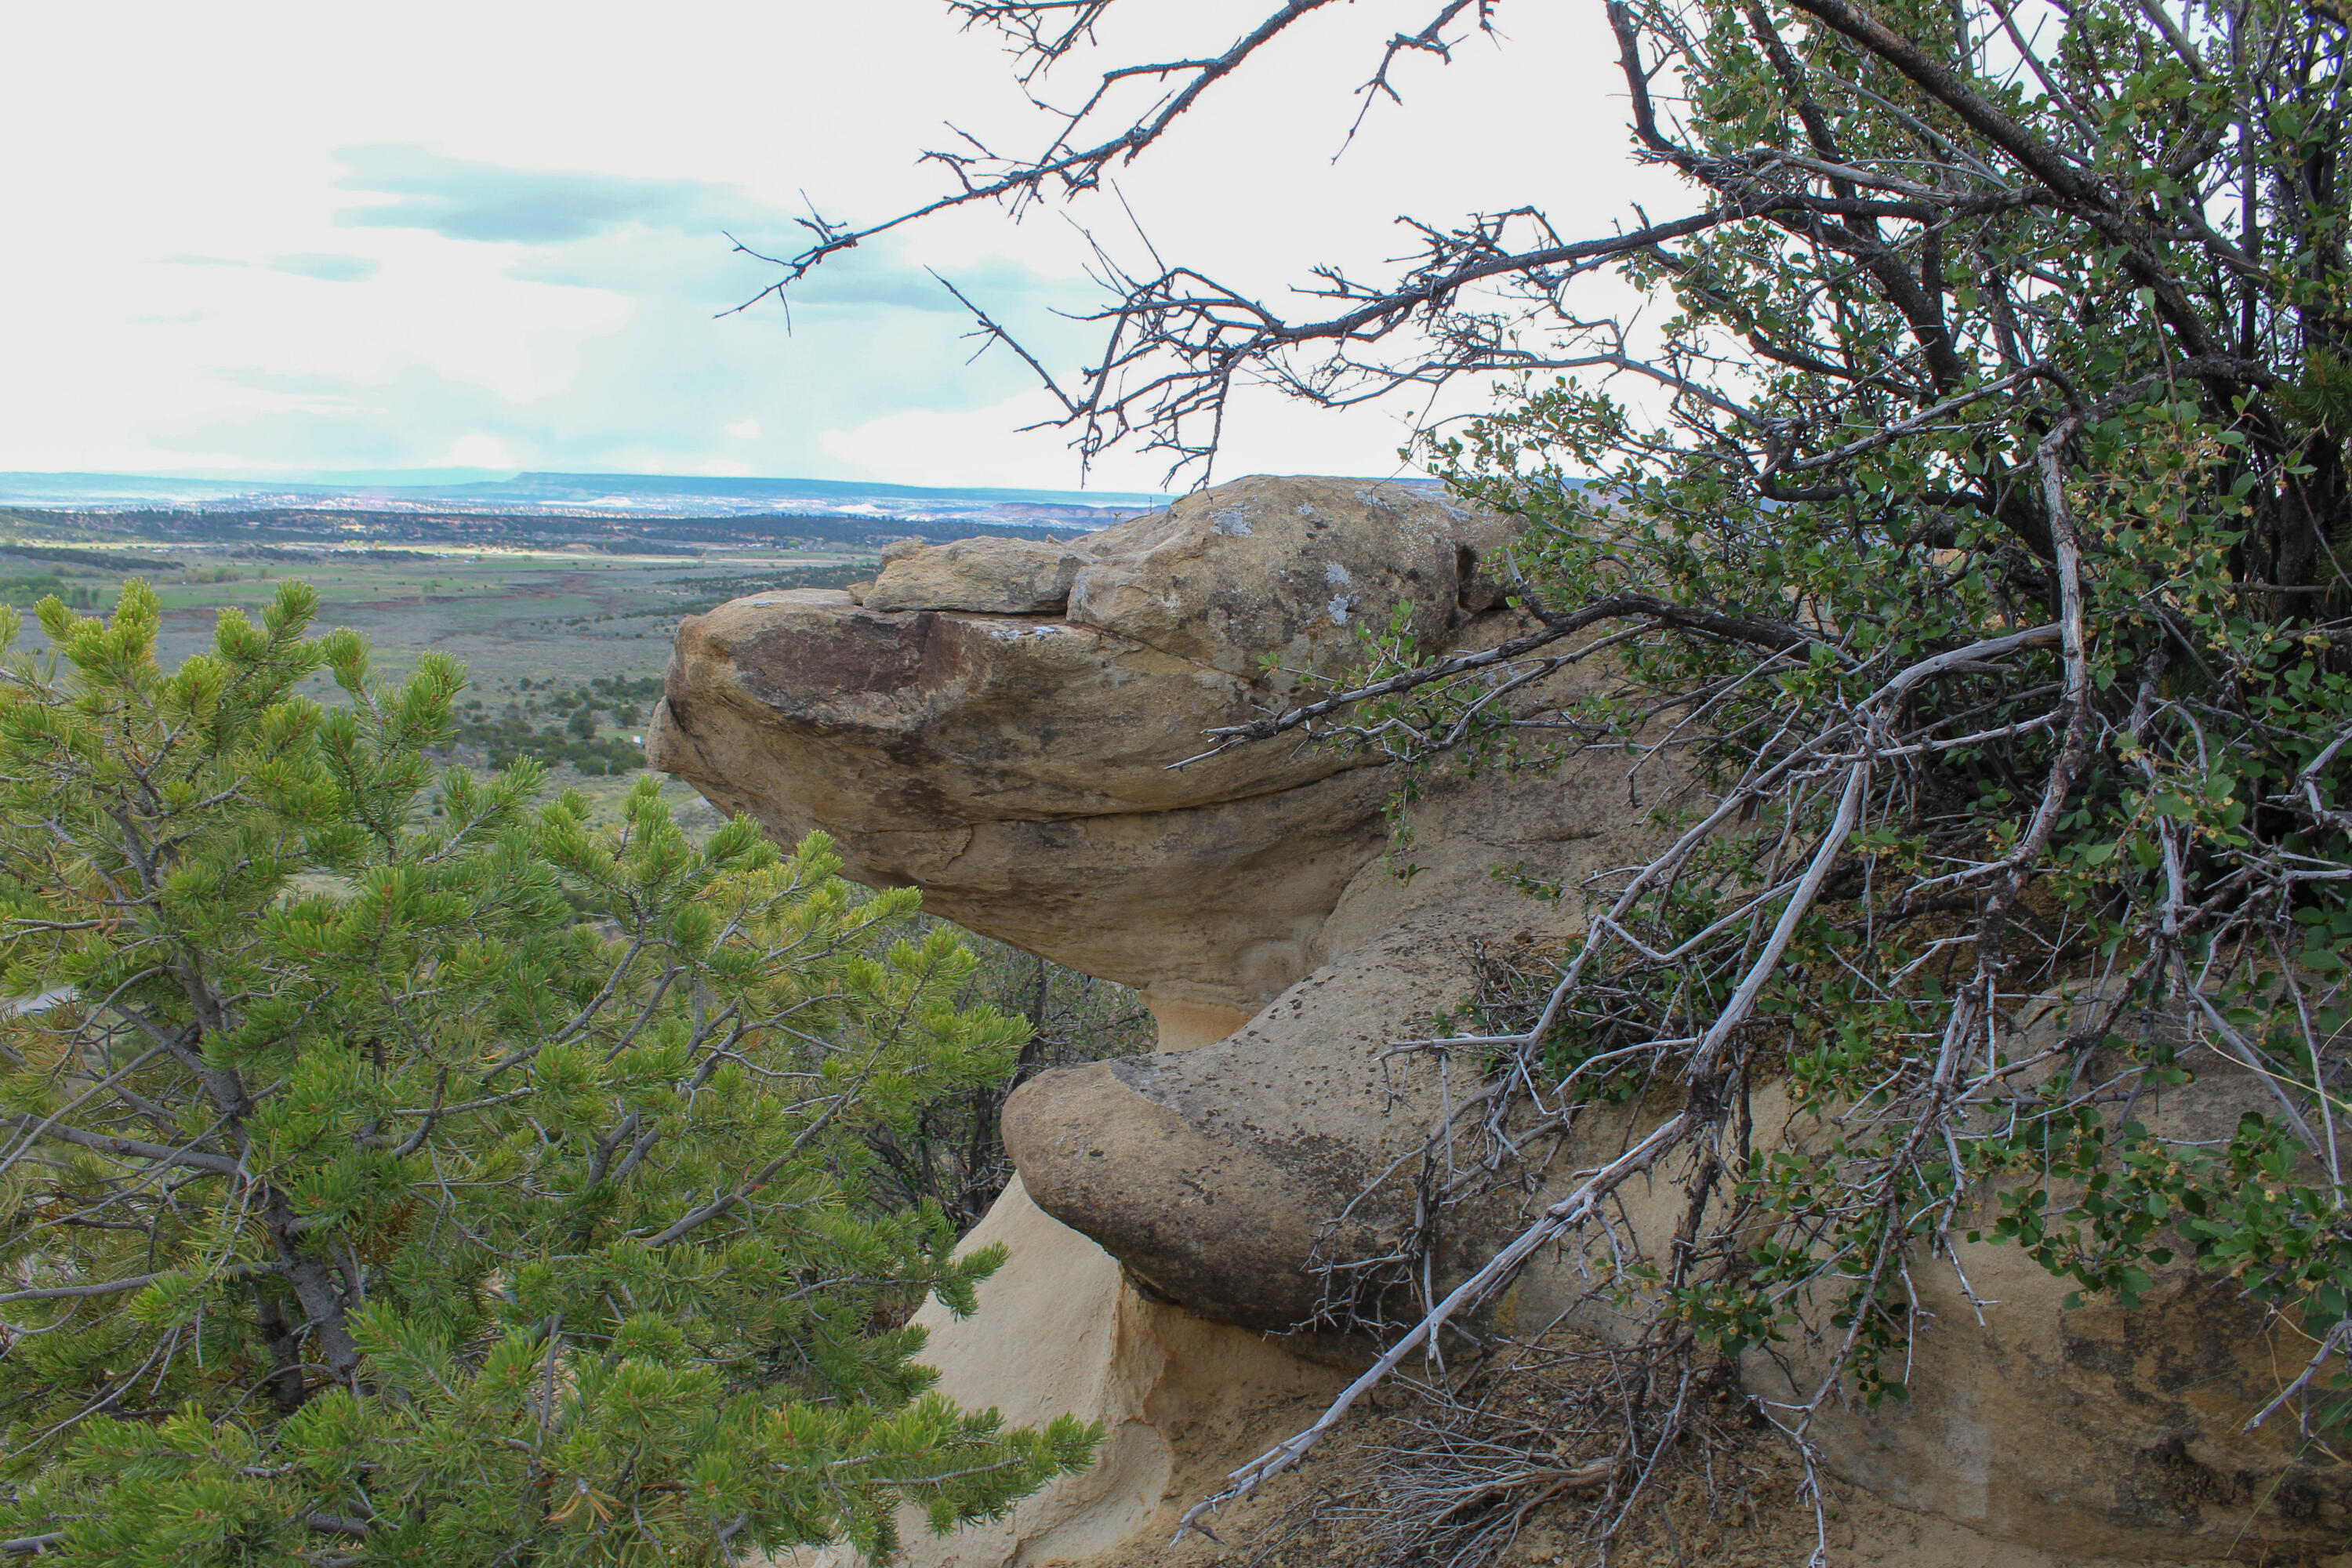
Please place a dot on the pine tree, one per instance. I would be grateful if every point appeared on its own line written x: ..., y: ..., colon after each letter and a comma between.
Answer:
x: 401, y: 1168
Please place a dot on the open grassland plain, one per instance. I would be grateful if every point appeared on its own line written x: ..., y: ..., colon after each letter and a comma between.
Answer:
x: 564, y: 645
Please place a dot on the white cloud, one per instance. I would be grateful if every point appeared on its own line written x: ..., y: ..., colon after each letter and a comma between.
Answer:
x: 479, y: 451
x: 981, y: 445
x: 521, y: 245
x: 988, y: 445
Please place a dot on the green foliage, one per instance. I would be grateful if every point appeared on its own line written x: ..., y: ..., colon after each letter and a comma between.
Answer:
x: 1986, y: 544
x: 29, y: 588
x: 953, y: 1153
x: 366, y: 1204
x: 509, y: 737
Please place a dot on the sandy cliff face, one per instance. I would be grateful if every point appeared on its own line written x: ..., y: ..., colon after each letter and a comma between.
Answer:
x: 995, y: 726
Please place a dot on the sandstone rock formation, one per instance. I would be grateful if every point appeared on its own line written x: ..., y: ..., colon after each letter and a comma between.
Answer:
x: 2087, y: 1431
x: 1015, y: 766
x: 992, y: 576
x: 1018, y: 769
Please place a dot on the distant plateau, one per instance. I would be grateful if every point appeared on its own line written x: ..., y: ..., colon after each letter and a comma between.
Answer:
x: 618, y: 495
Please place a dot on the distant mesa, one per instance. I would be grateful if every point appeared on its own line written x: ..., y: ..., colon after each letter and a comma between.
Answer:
x: 579, y: 495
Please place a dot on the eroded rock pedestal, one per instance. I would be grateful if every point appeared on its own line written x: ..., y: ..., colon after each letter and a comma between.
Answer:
x: 995, y: 724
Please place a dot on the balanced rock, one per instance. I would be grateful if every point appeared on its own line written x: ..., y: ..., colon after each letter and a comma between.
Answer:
x: 1018, y: 767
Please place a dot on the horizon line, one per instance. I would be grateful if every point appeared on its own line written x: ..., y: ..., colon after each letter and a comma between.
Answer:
x: 453, y: 478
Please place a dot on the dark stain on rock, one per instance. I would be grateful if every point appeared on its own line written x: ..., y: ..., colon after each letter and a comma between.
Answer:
x: 863, y: 655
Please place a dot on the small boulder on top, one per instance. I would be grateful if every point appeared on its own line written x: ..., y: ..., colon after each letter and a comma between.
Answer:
x: 983, y: 577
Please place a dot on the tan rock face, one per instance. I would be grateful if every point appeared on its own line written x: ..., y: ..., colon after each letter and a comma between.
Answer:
x: 1015, y: 766
x: 1287, y: 569
x: 1017, y: 770
x: 2084, y: 1431
x: 1213, y: 1174
x: 991, y: 576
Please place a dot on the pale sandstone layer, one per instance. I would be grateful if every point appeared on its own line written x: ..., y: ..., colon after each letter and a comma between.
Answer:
x: 1017, y: 768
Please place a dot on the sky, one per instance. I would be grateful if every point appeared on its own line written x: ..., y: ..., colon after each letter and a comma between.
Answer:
x: 261, y: 239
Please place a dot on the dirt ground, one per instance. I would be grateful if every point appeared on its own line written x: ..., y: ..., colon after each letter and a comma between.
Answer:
x: 1731, y: 1496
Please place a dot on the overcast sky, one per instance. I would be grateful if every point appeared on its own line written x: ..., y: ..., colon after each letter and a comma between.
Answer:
x: 287, y: 239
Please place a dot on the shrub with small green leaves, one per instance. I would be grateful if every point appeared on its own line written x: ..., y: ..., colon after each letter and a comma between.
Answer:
x: 364, y: 1201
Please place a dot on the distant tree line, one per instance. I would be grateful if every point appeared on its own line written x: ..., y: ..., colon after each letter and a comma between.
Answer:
x: 97, y: 560
x: 27, y: 589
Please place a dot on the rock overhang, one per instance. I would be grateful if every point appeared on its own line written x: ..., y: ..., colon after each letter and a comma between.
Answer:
x: 1016, y: 792
x: 1016, y: 763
